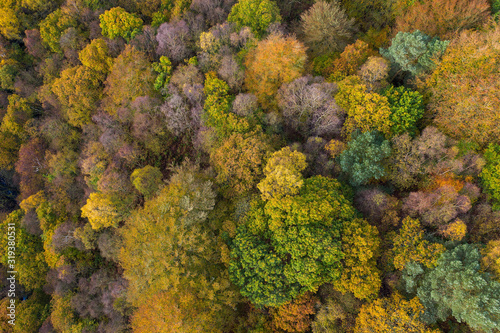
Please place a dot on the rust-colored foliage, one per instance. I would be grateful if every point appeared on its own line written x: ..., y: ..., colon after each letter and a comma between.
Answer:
x: 294, y: 316
x: 350, y: 61
x: 30, y: 166
x: 443, y: 17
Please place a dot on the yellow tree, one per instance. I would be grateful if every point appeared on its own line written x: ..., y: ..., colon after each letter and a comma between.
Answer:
x: 96, y: 56
x: 410, y: 245
x: 239, y: 160
x: 392, y: 315
x: 275, y: 60
x: 283, y: 175
x: 360, y: 244
x: 365, y: 111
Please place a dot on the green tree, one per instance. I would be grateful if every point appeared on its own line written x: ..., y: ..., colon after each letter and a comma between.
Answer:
x: 118, y: 22
x: 96, y: 56
x: 32, y: 312
x: 291, y: 245
x: 255, y: 14
x: 164, y: 70
x: 283, y: 174
x: 9, y: 68
x: 53, y: 27
x: 326, y: 27
x: 458, y: 288
x: 29, y: 257
x: 407, y: 108
x: 410, y: 245
x: 18, y: 113
x: 364, y: 157
x: 490, y: 175
x: 414, y: 52
x: 217, y: 109
x: 147, y: 180
x: 168, y: 246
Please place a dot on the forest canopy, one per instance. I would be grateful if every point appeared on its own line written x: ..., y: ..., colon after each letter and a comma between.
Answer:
x: 249, y: 166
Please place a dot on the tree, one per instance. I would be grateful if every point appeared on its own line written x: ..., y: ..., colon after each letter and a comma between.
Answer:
x: 118, y: 22
x: 78, y: 90
x: 238, y: 161
x: 294, y: 316
x: 393, y: 314
x: 32, y: 312
x: 169, y: 312
x: 309, y: 108
x: 407, y: 108
x: 147, y: 180
x: 10, y: 25
x: 9, y: 147
x: 414, y: 52
x: 490, y: 175
x: 349, y: 61
x: 18, y: 113
x: 455, y: 230
x: 275, y: 60
x: 217, y: 105
x: 167, y: 246
x: 365, y: 111
x: 456, y: 287
x: 174, y: 40
x: 410, y: 245
x: 28, y: 252
x: 464, y: 88
x: 439, y: 206
x: 255, y: 14
x: 53, y: 27
x: 30, y: 167
x: 443, y: 18
x: 491, y: 258
x: 104, y: 210
x: 364, y: 157
x: 375, y: 72
x: 164, y: 70
x: 96, y: 56
x: 282, y: 173
x: 131, y: 76
x: 360, y: 244
x: 291, y: 245
x: 326, y: 27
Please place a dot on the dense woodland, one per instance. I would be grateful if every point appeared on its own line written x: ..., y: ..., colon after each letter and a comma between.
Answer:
x: 251, y: 166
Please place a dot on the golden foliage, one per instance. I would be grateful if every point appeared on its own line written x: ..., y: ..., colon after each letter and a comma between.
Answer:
x: 410, y: 245
x: 392, y: 315
x: 275, y: 60
x: 365, y: 111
